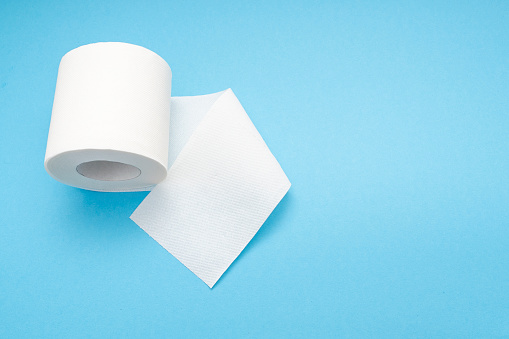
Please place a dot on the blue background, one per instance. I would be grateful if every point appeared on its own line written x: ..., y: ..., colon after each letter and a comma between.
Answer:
x: 390, y: 119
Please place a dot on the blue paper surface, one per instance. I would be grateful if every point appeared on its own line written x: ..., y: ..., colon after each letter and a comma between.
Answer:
x: 390, y: 119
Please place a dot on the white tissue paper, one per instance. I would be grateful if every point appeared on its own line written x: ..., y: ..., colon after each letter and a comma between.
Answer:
x: 222, y: 181
x: 218, y: 193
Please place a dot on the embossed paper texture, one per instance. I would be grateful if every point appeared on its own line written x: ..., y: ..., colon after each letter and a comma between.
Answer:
x: 222, y: 186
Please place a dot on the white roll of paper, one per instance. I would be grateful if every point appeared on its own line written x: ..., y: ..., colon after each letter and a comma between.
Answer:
x: 115, y: 127
x: 111, y: 115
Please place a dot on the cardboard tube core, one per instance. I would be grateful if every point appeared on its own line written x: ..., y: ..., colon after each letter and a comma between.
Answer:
x: 108, y: 170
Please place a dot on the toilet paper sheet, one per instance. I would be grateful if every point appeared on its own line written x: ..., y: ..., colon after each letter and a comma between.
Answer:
x: 219, y: 191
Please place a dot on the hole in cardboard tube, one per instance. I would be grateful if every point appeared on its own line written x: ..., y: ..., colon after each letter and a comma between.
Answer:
x: 108, y: 170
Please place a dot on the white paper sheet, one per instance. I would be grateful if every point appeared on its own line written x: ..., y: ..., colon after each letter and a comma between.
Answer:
x: 222, y: 187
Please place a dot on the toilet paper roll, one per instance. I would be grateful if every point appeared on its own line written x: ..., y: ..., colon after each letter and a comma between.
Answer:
x: 217, y: 181
x: 110, y: 122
